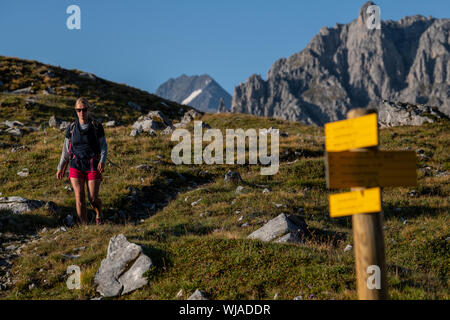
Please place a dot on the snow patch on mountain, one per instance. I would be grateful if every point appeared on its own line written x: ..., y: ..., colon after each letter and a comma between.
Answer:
x: 192, y: 96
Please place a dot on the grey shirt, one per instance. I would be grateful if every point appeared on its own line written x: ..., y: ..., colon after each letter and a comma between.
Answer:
x: 65, y: 151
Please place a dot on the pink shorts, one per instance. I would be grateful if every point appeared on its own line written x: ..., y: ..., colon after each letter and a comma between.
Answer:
x: 90, y: 175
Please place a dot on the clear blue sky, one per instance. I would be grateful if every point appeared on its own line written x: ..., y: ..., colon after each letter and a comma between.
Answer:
x: 144, y: 43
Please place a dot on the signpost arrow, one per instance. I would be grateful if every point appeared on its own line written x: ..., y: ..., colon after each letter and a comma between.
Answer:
x: 371, y: 169
x: 355, y: 202
x: 349, y: 134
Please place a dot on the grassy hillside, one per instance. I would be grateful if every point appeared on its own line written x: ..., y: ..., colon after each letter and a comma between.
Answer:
x: 110, y: 99
x: 205, y: 245
x: 210, y: 251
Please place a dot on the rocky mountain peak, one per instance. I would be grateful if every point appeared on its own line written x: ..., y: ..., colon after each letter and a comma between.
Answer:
x: 201, y: 92
x: 349, y: 66
x: 362, y: 17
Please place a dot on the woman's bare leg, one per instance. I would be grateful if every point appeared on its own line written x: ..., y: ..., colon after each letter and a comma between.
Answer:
x: 94, y: 200
x: 80, y: 198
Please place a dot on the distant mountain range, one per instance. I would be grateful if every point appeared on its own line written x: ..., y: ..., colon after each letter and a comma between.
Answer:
x: 350, y: 66
x: 201, y: 92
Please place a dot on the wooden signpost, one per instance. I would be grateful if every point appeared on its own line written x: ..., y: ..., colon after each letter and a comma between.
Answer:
x: 353, y: 161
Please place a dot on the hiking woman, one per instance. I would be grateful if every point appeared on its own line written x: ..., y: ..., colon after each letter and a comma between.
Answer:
x: 85, y: 151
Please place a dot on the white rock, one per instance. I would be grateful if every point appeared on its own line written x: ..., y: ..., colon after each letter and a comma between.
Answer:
x: 239, y: 189
x: 197, y: 295
x: 278, y: 205
x: 115, y: 275
x: 14, y: 132
x: 280, y: 226
x: 23, y: 173
x: 19, y: 205
x: 110, y: 124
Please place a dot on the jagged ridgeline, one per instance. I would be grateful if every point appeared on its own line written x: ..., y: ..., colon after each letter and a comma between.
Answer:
x: 33, y: 91
x: 350, y: 66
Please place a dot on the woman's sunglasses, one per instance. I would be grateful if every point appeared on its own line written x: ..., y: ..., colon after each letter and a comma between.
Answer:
x: 82, y: 110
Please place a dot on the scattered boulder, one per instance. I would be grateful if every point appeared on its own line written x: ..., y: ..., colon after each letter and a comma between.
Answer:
x: 110, y: 124
x: 23, y: 173
x: 154, y: 120
x: 27, y: 90
x: 167, y: 131
x: 70, y: 256
x: 233, y: 176
x: 159, y: 116
x: 239, y: 189
x: 18, y: 148
x: 270, y: 131
x: 197, y: 295
x: 14, y: 132
x: 187, y: 118
x: 135, y: 132
x: 30, y: 101
x: 87, y: 75
x: 49, y: 74
x: 18, y: 205
x: 284, y: 228
x: 122, y: 270
x: 392, y: 114
x: 190, y: 115
x: 12, y: 124
x: 64, y: 125
x: 48, y: 91
x: 193, y: 204
x: 179, y: 125
x: 54, y: 122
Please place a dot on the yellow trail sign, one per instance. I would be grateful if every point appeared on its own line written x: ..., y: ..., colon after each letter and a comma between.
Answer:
x: 371, y: 169
x: 354, y: 133
x: 355, y: 202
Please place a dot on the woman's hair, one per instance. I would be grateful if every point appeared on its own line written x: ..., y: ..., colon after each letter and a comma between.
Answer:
x: 83, y: 101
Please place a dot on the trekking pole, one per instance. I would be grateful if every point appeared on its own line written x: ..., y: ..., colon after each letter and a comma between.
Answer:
x: 113, y: 164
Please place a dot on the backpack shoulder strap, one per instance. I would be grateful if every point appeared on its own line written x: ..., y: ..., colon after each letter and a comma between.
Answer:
x: 95, y: 124
x: 72, y: 129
